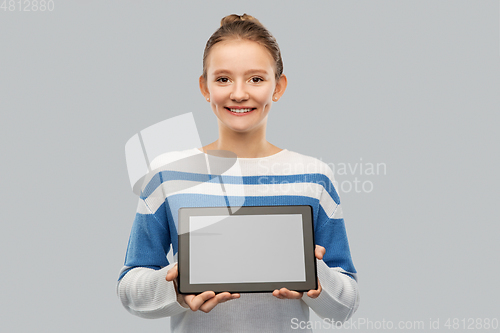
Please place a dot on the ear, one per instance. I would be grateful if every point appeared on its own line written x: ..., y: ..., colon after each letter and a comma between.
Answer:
x: 204, y: 87
x: 280, y: 87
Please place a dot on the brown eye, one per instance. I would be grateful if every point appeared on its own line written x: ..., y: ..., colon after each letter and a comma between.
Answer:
x: 256, y: 79
x: 222, y: 80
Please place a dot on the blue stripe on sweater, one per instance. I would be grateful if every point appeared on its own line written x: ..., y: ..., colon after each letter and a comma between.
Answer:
x: 164, y: 176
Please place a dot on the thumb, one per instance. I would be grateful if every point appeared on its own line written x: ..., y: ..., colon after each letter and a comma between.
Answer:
x: 172, y: 273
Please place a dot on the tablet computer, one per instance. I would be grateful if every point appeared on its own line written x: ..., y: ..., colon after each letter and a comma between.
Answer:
x: 253, y: 249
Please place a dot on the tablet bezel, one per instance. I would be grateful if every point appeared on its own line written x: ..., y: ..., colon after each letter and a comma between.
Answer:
x: 185, y: 287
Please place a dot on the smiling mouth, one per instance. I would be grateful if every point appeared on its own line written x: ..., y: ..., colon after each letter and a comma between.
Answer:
x: 240, y: 110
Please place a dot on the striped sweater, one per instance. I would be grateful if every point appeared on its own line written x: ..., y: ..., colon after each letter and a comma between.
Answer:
x: 192, y: 178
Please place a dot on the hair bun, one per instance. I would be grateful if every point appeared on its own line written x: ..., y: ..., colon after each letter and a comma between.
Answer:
x: 235, y: 17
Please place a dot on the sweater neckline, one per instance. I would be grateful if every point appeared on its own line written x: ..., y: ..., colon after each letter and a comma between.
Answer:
x: 281, y: 152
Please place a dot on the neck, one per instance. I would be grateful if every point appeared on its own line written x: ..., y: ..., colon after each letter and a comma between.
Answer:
x: 245, y: 145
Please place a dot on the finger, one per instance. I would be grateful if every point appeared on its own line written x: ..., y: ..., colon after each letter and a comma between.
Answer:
x: 315, y: 293
x: 172, y: 273
x: 226, y: 296
x: 276, y: 293
x: 196, y: 301
x: 188, y: 299
x: 280, y: 294
x: 222, y: 297
x: 285, y: 293
x: 319, y: 251
x: 211, y: 303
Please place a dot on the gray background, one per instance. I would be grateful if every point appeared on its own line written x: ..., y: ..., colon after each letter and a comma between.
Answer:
x: 412, y: 84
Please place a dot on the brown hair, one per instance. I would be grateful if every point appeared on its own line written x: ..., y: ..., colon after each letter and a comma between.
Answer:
x: 244, y: 27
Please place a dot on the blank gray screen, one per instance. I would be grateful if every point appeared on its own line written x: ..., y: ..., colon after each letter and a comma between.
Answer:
x: 246, y: 248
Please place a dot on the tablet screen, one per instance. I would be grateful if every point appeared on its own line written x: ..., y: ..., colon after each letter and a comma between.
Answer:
x: 246, y: 248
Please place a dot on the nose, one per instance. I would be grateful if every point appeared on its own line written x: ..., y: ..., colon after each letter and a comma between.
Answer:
x: 239, y: 92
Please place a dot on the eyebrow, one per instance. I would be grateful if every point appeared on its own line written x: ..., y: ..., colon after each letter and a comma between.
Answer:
x: 222, y: 71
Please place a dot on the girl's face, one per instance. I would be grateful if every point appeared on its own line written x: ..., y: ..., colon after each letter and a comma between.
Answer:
x: 241, y: 84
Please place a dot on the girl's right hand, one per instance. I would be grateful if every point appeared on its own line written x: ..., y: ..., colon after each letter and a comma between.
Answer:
x: 205, y: 301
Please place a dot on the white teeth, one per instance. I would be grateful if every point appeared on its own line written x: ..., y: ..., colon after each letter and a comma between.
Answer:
x: 240, y: 110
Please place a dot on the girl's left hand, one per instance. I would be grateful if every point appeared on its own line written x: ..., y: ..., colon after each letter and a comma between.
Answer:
x: 284, y: 293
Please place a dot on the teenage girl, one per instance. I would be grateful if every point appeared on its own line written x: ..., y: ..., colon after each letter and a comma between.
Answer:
x: 242, y: 77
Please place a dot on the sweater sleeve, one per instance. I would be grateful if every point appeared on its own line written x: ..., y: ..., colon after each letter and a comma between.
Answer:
x: 141, y: 286
x: 339, y: 298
